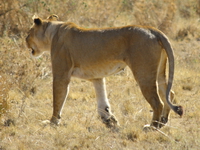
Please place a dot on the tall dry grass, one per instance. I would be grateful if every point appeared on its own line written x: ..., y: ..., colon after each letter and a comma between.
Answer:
x: 5, y: 87
x: 25, y: 83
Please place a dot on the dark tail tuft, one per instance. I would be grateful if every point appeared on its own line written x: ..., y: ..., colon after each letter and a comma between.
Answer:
x: 179, y: 110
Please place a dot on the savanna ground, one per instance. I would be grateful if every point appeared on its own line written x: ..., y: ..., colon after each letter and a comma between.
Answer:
x: 26, y: 83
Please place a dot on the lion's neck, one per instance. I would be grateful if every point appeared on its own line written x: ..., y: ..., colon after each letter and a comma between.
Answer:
x: 51, y: 31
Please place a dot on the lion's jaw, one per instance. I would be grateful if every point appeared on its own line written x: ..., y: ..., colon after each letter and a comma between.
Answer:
x: 35, y: 52
x: 37, y: 42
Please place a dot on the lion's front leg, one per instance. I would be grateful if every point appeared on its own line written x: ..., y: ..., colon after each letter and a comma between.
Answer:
x: 104, y: 108
x: 62, y: 70
x: 60, y: 92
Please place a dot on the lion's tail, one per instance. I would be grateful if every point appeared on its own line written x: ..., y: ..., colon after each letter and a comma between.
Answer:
x: 167, y: 46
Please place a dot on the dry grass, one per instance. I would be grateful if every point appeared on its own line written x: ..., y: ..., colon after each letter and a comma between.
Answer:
x: 25, y: 83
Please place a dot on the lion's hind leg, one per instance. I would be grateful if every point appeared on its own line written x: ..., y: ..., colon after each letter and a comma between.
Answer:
x: 146, y: 77
x: 104, y: 108
x: 149, y: 91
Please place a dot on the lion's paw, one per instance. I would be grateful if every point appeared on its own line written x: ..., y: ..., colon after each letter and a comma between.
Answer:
x: 55, y: 121
x: 111, y: 122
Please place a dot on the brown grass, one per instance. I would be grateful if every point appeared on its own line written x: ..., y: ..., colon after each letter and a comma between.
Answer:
x: 25, y: 83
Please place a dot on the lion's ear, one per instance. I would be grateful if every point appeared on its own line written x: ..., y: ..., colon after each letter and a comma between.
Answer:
x: 37, y: 21
x: 53, y: 18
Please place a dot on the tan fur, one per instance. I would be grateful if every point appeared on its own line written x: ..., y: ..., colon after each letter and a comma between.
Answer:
x: 93, y: 54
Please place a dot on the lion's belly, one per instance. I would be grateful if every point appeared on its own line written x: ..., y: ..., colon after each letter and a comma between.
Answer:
x: 97, y: 72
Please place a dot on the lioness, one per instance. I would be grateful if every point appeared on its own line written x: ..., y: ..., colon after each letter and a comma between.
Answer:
x: 93, y: 54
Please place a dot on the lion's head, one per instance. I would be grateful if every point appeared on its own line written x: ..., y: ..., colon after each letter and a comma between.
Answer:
x: 37, y: 39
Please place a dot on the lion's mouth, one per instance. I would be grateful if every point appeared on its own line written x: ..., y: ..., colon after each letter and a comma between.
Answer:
x: 32, y: 51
